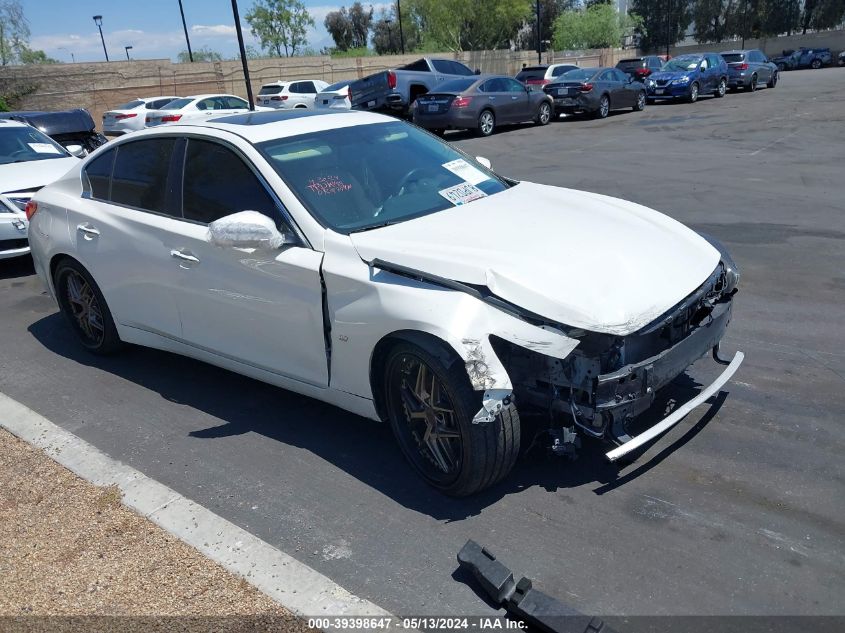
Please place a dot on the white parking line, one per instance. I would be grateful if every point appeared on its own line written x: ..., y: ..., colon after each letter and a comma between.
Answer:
x: 294, y: 585
x: 775, y: 142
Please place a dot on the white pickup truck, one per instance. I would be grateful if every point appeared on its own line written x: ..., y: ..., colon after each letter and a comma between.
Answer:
x: 394, y: 91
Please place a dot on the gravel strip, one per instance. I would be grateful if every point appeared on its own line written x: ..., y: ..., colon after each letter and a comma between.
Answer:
x: 70, y: 548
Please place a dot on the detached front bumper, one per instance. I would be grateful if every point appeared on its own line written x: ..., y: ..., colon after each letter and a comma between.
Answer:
x: 624, y: 394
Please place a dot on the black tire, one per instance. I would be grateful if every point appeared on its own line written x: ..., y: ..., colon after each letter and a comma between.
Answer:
x: 692, y: 97
x: 604, y: 108
x: 722, y: 88
x: 639, y: 106
x: 816, y: 64
x: 773, y: 81
x: 753, y: 85
x: 486, y: 123
x: 480, y: 455
x: 85, y: 308
x: 544, y: 114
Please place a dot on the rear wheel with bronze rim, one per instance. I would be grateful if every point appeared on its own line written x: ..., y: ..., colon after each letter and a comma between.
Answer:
x: 85, y: 309
x: 431, y: 406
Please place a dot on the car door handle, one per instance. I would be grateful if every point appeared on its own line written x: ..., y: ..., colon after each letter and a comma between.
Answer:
x: 89, y: 231
x: 514, y: 98
x: 184, y: 256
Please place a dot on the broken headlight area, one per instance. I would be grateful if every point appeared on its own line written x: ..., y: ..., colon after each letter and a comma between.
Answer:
x: 608, y: 380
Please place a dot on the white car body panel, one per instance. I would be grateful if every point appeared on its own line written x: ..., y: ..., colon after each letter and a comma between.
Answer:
x: 33, y: 175
x: 629, y: 248
x: 336, y: 100
x: 262, y: 314
x: 190, y: 113
x: 284, y: 98
x: 116, y: 122
x: 13, y: 227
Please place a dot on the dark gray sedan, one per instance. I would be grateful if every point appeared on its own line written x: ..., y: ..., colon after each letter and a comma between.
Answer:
x: 596, y: 91
x: 480, y: 103
x: 750, y: 68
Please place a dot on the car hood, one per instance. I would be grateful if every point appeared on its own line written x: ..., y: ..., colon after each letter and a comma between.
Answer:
x: 34, y: 174
x: 670, y: 74
x: 573, y: 257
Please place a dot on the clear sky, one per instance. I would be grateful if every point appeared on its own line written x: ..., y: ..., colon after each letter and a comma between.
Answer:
x: 152, y: 27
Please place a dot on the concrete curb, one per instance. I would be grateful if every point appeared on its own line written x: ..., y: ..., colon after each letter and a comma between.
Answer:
x: 294, y: 585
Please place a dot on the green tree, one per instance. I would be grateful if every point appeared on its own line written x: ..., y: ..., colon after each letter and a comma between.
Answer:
x: 339, y: 26
x: 461, y: 25
x: 204, y: 54
x: 386, y: 37
x: 714, y: 20
x: 597, y: 26
x: 822, y: 14
x: 280, y: 25
x: 28, y: 56
x: 663, y: 23
x: 14, y: 31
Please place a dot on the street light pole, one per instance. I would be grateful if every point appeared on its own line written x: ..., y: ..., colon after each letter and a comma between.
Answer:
x: 399, y: 17
x: 744, y: 18
x: 98, y: 20
x: 539, y: 43
x: 185, y: 27
x: 243, y: 54
x: 127, y: 49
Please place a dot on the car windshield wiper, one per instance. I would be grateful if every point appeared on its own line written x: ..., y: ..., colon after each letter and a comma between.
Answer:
x: 377, y: 226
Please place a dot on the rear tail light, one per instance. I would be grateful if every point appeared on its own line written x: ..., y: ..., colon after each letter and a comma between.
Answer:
x: 30, y: 209
x: 120, y: 117
x: 742, y: 66
x: 643, y: 72
x: 391, y: 79
x: 170, y: 118
x: 538, y: 82
x: 279, y: 98
x: 585, y: 87
x: 461, y: 102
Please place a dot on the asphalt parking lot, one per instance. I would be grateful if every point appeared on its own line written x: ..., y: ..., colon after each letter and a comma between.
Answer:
x: 739, y: 510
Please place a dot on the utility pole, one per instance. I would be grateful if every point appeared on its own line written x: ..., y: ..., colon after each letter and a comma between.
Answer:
x: 185, y: 27
x: 127, y: 49
x: 399, y: 17
x: 539, y: 43
x: 98, y: 20
x: 744, y: 19
x: 243, y: 54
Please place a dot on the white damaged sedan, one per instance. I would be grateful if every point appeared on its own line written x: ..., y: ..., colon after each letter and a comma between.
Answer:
x: 359, y: 260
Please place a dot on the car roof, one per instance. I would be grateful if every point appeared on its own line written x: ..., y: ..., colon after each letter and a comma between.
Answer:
x: 739, y: 50
x: 207, y: 96
x: 257, y: 127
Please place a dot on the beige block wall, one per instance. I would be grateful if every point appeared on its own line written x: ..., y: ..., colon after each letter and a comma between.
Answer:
x: 772, y: 46
x: 99, y: 86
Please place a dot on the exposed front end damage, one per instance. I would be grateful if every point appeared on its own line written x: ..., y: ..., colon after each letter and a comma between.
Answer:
x: 608, y: 380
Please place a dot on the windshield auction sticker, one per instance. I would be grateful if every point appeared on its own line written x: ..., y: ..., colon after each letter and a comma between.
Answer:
x: 462, y: 193
x: 44, y: 148
x: 465, y: 171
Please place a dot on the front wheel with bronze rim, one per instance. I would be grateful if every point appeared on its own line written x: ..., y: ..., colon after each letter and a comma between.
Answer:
x: 431, y: 406
x: 85, y: 309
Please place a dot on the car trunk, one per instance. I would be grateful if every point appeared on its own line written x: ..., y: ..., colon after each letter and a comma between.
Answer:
x: 365, y: 90
x: 435, y: 103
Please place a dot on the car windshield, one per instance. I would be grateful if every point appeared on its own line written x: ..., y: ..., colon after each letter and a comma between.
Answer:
x: 335, y: 87
x: 131, y: 105
x: 683, y: 64
x: 177, y: 104
x: 23, y: 144
x: 364, y: 176
x: 455, y: 85
x: 581, y: 74
x: 733, y: 57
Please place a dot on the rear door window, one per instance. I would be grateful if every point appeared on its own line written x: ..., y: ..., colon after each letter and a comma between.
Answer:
x: 419, y: 66
x: 98, y: 174
x: 139, y: 178
x: 442, y: 66
x: 207, y: 197
x: 308, y: 87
